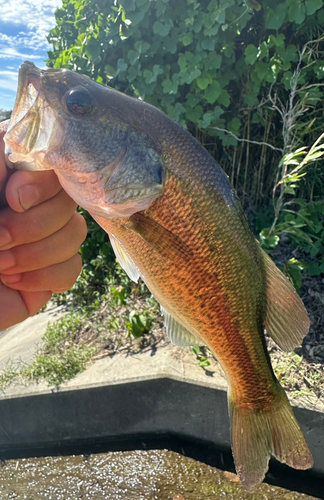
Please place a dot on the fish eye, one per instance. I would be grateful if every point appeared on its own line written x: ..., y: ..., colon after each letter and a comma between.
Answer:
x: 80, y: 102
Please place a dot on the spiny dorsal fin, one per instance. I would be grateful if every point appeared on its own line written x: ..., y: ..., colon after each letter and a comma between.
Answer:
x: 286, y: 319
x: 177, y: 334
x: 124, y: 260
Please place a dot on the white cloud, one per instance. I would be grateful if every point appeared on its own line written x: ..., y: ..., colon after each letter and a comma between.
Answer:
x: 37, y: 17
x: 8, y: 80
x: 11, y: 53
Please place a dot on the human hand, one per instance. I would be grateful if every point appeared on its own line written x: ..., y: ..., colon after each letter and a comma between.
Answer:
x: 40, y: 235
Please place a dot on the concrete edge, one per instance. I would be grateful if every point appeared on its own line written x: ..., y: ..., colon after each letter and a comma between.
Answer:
x: 124, y: 412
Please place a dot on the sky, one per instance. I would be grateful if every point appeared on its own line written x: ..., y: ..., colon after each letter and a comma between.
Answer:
x: 24, y: 25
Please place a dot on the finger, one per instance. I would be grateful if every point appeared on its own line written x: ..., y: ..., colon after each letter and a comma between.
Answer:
x: 57, y: 278
x: 27, y: 189
x: 37, y: 223
x: 54, y: 249
x: 3, y: 168
x: 17, y: 306
x: 34, y: 301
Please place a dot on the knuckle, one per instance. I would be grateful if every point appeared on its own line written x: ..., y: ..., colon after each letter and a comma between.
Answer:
x: 76, y: 266
x: 81, y: 226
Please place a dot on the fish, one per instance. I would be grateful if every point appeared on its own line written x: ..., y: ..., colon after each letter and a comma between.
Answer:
x: 173, y: 220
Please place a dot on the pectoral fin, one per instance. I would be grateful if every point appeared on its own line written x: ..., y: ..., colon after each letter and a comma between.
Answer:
x: 286, y: 319
x: 166, y: 243
x: 124, y: 259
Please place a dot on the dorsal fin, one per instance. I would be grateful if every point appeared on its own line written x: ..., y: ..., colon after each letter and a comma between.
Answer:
x: 124, y: 260
x: 178, y: 334
x: 286, y: 319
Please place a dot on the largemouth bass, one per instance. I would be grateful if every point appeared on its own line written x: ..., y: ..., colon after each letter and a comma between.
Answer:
x: 173, y: 220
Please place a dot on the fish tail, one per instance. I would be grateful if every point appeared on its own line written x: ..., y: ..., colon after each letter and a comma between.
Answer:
x: 256, y: 434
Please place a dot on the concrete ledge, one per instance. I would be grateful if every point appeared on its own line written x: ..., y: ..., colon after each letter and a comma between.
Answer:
x: 133, y: 412
x: 159, y: 399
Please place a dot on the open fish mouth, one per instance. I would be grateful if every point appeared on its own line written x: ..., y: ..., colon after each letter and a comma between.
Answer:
x: 31, y: 123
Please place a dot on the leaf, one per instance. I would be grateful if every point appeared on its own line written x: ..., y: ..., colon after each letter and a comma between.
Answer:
x: 213, y: 92
x: 289, y: 190
x: 208, y: 44
x: 186, y: 39
x: 297, y: 13
x: 131, y: 74
x: 234, y: 125
x: 269, y: 241
x: 109, y: 71
x: 194, y: 114
x: 204, y: 80
x: 161, y: 29
x: 92, y: 48
x: 129, y: 4
x: 251, y: 54
x: 136, y: 17
x: 312, y: 6
x: 315, y: 269
x: 142, y: 47
x: 204, y: 362
x: 224, y: 98
x: 275, y: 18
x: 253, y: 4
x: 121, y: 67
x: 133, y: 56
x: 294, y: 273
x: 169, y: 87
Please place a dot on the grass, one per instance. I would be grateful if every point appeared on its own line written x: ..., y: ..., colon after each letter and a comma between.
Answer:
x: 124, y: 318
x: 296, y: 375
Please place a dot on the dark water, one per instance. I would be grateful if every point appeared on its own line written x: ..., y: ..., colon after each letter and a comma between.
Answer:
x: 135, y: 475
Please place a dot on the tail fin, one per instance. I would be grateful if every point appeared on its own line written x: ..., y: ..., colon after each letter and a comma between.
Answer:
x: 256, y: 434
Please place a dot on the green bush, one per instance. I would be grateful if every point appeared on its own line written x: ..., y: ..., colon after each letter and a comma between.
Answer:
x: 245, y: 78
x: 212, y: 66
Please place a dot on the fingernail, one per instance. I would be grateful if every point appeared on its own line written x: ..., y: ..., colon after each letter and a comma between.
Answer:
x: 28, y: 196
x: 5, y: 236
x: 10, y: 279
x: 7, y: 260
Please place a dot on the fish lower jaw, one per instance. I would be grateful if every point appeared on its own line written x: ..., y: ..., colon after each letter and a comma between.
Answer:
x: 22, y: 161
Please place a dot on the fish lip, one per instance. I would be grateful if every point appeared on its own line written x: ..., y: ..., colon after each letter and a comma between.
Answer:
x: 22, y: 138
x: 29, y: 75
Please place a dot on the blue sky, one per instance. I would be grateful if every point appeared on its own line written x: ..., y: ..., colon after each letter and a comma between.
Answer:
x: 24, y: 25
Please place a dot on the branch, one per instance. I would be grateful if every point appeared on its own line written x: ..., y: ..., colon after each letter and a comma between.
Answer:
x: 247, y: 140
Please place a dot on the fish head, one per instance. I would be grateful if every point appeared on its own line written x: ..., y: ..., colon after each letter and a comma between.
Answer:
x: 92, y: 136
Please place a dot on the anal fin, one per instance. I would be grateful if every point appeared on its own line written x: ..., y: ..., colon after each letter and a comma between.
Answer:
x: 178, y: 334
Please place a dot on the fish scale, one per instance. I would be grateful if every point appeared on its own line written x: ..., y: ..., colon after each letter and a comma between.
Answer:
x: 174, y: 220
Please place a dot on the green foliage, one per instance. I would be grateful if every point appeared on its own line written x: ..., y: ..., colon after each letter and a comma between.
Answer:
x: 202, y: 357
x: 303, y: 222
x: 139, y: 323
x: 59, y: 368
x: 63, y: 329
x: 228, y: 70
x: 205, y: 64
x: 4, y: 114
x: 119, y: 295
